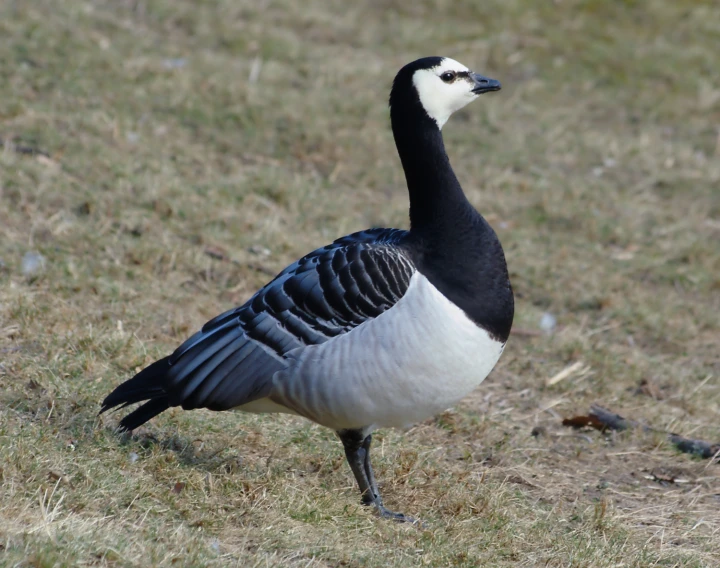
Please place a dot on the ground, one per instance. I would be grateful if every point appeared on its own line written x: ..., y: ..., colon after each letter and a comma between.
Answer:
x: 163, y: 159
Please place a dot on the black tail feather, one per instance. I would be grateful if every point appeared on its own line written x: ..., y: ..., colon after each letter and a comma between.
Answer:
x: 220, y: 371
x: 148, y: 385
x: 142, y: 414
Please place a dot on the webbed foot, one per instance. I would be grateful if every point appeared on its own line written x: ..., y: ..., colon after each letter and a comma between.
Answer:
x: 399, y: 517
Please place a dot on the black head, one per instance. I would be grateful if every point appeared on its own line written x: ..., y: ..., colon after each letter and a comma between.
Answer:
x: 441, y: 85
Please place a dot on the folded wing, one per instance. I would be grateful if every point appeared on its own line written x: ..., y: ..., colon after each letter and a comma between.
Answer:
x: 233, y: 359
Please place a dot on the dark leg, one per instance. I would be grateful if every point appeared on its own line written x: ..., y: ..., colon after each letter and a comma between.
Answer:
x: 357, y: 452
x: 370, y: 474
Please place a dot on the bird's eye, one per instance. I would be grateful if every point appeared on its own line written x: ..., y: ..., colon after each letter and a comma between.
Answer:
x: 448, y: 76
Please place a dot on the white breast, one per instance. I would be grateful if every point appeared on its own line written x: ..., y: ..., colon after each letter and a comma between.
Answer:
x: 414, y: 360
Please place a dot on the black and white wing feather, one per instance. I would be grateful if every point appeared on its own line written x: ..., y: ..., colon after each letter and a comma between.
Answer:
x: 232, y: 360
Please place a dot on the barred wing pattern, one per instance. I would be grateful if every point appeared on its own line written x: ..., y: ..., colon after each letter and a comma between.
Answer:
x: 330, y: 291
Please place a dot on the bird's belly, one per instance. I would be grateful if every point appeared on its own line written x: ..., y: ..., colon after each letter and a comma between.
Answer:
x: 264, y: 405
x: 414, y: 360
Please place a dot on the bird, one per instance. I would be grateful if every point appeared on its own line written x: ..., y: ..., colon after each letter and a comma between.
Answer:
x: 381, y: 328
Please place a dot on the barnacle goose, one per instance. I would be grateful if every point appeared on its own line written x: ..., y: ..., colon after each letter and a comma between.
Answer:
x: 381, y: 328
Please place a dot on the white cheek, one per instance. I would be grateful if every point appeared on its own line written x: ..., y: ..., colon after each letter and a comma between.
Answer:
x: 440, y: 99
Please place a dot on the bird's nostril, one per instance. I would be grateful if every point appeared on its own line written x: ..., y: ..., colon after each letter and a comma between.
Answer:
x: 484, y: 81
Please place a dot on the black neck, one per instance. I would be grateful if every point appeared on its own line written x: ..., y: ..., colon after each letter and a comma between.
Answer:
x: 450, y: 242
x: 436, y: 197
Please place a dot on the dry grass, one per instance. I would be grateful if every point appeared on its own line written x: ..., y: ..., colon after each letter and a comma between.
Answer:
x: 599, y: 165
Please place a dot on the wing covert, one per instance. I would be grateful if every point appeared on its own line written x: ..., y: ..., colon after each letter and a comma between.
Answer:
x: 324, y: 294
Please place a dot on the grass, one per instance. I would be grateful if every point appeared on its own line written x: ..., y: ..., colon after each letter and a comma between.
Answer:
x: 195, y: 148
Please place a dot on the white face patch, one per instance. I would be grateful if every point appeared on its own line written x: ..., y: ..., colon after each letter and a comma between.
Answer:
x: 441, y: 99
